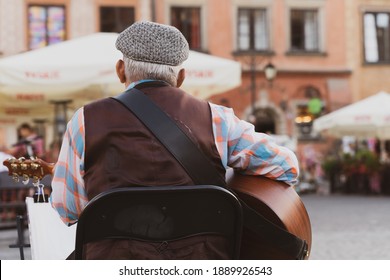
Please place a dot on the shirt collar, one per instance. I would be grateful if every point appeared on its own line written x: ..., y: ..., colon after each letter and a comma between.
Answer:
x: 133, y: 84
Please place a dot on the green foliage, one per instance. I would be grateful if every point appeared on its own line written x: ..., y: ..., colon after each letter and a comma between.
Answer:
x: 363, y: 161
x: 369, y: 160
x: 331, y: 165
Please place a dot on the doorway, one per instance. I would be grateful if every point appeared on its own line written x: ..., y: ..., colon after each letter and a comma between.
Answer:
x: 265, y: 120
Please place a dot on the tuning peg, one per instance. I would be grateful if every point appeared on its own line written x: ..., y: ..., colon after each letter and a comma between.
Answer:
x: 12, y: 160
x: 23, y: 166
x: 15, y: 177
x: 35, y: 180
x: 34, y: 166
x: 14, y: 166
x: 25, y: 179
x: 21, y: 159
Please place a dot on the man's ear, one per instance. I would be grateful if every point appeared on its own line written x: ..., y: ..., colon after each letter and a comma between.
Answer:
x: 120, y: 71
x: 180, y: 77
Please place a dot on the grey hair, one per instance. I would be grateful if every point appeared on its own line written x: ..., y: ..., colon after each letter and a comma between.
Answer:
x: 139, y: 70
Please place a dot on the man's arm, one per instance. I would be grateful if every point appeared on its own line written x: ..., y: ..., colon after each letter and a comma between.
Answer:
x: 250, y: 152
x: 68, y: 196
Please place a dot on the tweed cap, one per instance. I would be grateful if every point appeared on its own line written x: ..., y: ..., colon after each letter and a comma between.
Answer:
x: 153, y: 42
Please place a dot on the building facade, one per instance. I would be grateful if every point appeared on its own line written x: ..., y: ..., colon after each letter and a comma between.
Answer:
x: 318, y: 47
x: 368, y: 46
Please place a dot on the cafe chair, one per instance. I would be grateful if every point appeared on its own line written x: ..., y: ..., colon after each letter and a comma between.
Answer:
x: 166, y: 222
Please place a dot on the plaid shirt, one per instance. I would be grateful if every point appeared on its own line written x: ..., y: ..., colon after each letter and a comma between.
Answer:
x: 239, y: 146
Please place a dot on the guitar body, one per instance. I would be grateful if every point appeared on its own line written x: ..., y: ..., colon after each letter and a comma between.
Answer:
x: 280, y: 204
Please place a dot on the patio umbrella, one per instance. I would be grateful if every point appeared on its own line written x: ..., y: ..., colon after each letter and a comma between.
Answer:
x: 367, y: 118
x: 83, y: 69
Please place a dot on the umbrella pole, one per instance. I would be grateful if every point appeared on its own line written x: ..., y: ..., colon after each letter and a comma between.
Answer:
x: 383, y: 150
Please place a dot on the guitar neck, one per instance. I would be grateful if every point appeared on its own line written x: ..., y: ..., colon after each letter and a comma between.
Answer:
x: 28, y: 168
x: 50, y: 168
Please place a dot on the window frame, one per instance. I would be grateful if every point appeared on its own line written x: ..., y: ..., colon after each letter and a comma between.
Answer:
x: 321, y: 7
x: 115, y: 7
x: 252, y: 32
x: 46, y: 6
x: 292, y: 50
x: 187, y: 10
x: 364, y: 58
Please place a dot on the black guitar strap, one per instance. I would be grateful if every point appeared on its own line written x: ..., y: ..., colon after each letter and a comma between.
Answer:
x: 200, y: 169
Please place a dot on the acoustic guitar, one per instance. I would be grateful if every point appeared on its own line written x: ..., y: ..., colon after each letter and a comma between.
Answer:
x: 276, y: 201
x: 280, y: 204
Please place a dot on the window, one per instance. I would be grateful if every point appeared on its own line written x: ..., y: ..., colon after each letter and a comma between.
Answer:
x: 252, y: 30
x: 304, y: 33
x: 307, y: 111
x: 115, y: 19
x: 377, y: 37
x: 46, y: 25
x: 187, y: 20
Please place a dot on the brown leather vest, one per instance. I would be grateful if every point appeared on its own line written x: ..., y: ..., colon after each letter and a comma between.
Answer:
x: 121, y: 151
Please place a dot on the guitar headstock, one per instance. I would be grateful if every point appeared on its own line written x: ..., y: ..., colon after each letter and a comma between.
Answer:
x: 23, y: 168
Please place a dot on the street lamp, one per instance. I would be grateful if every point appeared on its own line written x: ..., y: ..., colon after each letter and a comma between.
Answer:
x: 270, y: 72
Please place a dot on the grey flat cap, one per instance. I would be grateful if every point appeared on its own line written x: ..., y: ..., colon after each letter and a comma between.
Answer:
x: 153, y: 42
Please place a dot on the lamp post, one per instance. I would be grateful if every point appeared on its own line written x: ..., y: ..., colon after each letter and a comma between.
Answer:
x: 40, y: 129
x: 60, y: 118
x: 253, y: 83
x: 270, y: 73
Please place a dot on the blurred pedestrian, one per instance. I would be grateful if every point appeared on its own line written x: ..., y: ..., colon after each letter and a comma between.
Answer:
x: 29, y: 143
